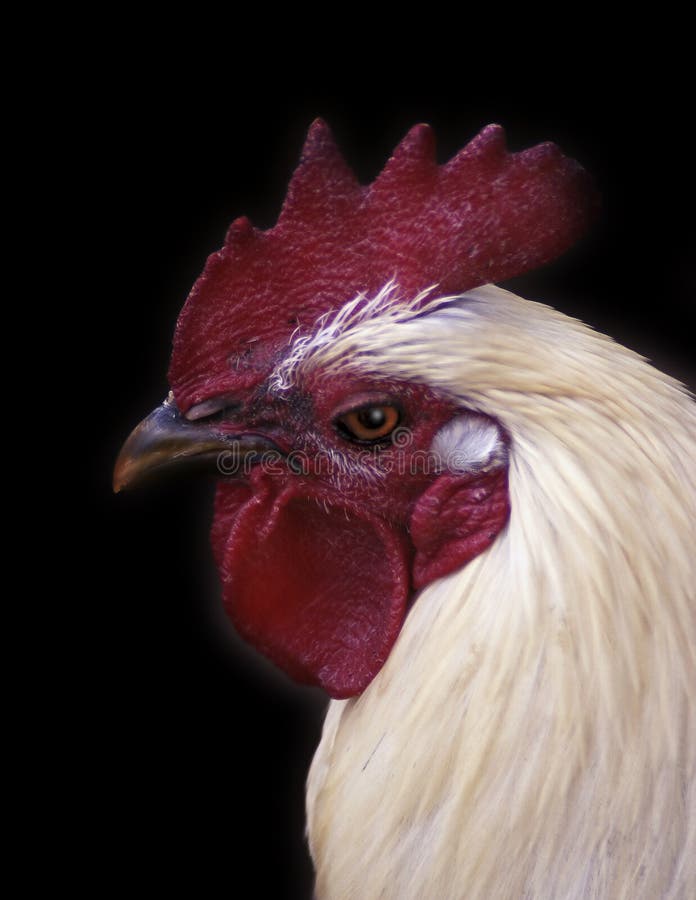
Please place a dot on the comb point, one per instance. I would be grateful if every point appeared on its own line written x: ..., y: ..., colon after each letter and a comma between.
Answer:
x: 412, y: 160
x: 418, y: 144
x: 239, y: 230
x: 489, y: 145
x: 319, y: 143
x: 541, y: 156
x: 321, y: 181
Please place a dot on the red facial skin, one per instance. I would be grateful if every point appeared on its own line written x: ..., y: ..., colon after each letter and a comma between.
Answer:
x: 319, y: 567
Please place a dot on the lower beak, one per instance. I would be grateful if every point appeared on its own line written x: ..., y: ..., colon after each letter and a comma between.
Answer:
x: 165, y: 440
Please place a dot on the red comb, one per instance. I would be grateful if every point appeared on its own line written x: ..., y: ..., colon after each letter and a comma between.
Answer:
x: 484, y: 216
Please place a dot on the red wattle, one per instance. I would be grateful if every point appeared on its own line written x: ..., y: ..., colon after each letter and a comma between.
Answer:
x: 320, y: 589
x: 458, y: 517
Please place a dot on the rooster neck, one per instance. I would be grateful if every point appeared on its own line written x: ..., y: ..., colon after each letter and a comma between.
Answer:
x: 532, y: 732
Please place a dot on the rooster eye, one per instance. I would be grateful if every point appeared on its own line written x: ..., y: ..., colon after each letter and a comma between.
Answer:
x: 369, y: 423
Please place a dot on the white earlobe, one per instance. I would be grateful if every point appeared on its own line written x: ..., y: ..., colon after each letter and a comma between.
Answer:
x: 470, y: 442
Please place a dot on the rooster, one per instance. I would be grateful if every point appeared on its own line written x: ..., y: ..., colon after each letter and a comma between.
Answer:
x: 466, y: 516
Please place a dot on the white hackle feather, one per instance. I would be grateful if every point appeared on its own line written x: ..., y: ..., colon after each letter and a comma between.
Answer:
x: 533, y: 731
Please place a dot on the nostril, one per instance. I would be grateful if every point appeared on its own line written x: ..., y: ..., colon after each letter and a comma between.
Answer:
x: 214, y: 409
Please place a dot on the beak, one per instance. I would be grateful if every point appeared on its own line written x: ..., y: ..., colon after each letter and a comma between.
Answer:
x: 165, y: 440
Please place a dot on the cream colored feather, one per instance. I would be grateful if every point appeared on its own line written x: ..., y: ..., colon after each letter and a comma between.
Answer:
x: 533, y: 732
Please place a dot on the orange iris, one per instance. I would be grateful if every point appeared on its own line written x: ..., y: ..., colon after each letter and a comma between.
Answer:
x: 370, y: 423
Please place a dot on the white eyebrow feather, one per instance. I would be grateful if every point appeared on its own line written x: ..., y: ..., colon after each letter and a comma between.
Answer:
x: 386, y: 305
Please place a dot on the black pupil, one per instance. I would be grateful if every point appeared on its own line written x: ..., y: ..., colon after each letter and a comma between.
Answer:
x: 373, y: 417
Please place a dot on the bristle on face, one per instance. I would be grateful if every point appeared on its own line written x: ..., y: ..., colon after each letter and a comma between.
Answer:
x: 484, y: 216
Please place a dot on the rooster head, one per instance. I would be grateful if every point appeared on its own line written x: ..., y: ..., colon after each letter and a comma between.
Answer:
x: 343, y: 492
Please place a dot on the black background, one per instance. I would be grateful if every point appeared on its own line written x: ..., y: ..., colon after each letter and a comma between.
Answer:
x: 195, y: 751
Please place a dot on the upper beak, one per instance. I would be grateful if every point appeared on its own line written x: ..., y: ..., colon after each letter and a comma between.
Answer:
x: 165, y: 439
